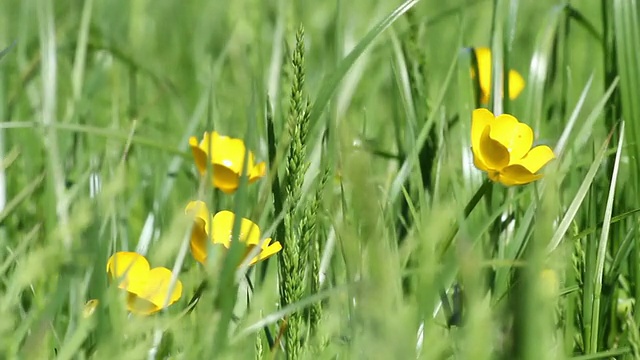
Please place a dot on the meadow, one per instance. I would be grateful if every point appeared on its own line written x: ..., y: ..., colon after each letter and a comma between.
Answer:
x: 319, y: 180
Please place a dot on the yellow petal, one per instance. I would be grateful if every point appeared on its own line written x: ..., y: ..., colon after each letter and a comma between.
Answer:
x: 267, y: 251
x: 270, y: 249
x: 483, y: 57
x: 201, y: 227
x: 513, y: 135
x: 198, y: 247
x: 517, y: 175
x: 200, y: 151
x: 223, y: 229
x: 249, y: 232
x: 229, y: 153
x: 139, y: 306
x: 129, y: 268
x: 480, y: 119
x: 258, y: 171
x: 535, y: 159
x: 494, y: 176
x: 516, y: 84
x: 198, y: 244
x: 156, y: 288
x: 516, y: 81
x: 198, y: 209
x: 524, y: 171
x: 227, y: 156
x: 225, y: 179
x: 494, y: 155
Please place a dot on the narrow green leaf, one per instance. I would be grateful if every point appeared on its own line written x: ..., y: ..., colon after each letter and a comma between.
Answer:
x: 592, y: 346
x: 571, y: 212
x: 540, y: 65
x: 6, y: 50
x: 331, y: 82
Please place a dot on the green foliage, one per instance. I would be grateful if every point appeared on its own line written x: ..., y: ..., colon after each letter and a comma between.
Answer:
x: 394, y: 245
x: 296, y: 223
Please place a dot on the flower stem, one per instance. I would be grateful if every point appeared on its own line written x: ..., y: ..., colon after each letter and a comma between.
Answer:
x: 475, y: 199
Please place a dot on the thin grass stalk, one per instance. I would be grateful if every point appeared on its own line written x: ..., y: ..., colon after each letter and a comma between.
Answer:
x: 602, y: 249
x: 292, y: 269
x: 313, y: 212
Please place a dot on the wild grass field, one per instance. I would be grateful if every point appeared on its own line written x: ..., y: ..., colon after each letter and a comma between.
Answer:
x: 319, y: 180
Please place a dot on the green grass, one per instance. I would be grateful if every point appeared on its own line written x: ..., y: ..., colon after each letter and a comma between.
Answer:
x: 395, y: 246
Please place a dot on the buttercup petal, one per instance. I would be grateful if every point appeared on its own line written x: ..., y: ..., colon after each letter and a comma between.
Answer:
x: 128, y: 268
x: 227, y: 156
x: 223, y: 229
x: 535, y: 159
x: 139, y: 306
x: 483, y: 57
x: 494, y: 176
x: 198, y: 209
x: 199, y: 154
x: 516, y: 84
x: 144, y: 286
x: 478, y: 162
x: 513, y: 135
x: 516, y: 81
x: 258, y: 171
x: 267, y: 251
x: 480, y: 119
x: 152, y: 296
x: 229, y: 153
x: 225, y: 179
x: 198, y: 245
x: 517, y: 175
x: 270, y: 249
x: 157, y: 287
x: 494, y: 155
x: 202, y: 223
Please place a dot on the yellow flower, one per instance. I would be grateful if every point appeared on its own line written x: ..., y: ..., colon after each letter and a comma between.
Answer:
x: 221, y: 227
x: 147, y: 288
x: 227, y: 157
x: 502, y: 147
x: 516, y: 82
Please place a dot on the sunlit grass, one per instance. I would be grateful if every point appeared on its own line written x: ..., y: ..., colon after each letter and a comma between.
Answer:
x: 394, y: 244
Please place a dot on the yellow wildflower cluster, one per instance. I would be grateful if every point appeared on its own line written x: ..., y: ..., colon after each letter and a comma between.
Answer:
x: 502, y: 145
x: 227, y: 156
x: 483, y: 58
x: 149, y: 289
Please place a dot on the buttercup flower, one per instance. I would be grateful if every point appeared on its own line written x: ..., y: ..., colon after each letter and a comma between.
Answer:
x: 227, y: 157
x: 219, y: 230
x: 147, y: 288
x: 502, y: 147
x: 516, y: 82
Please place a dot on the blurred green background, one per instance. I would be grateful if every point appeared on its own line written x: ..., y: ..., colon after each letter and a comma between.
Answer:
x: 98, y: 99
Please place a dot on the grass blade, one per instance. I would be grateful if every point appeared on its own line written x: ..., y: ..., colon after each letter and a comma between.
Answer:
x: 330, y: 83
x: 592, y: 345
x: 571, y: 212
